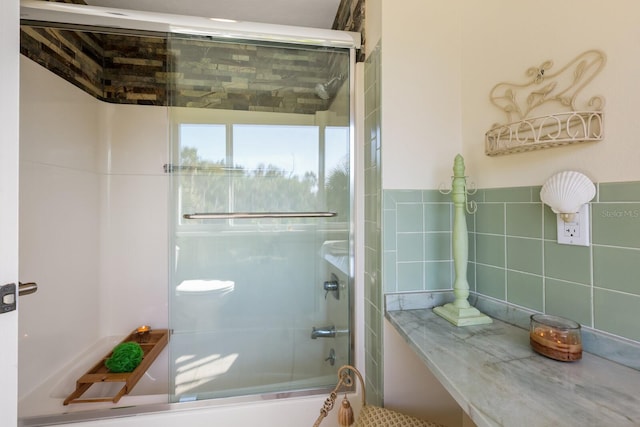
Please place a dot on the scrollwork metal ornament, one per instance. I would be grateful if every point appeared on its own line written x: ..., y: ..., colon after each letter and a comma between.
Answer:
x: 529, y: 126
x: 465, y: 188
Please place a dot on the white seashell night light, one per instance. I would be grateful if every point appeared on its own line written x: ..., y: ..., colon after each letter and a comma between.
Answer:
x: 565, y: 192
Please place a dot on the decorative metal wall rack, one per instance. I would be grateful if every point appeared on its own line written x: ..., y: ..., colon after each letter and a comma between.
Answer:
x: 529, y: 127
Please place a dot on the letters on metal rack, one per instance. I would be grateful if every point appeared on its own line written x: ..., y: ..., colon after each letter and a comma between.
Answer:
x: 543, y: 112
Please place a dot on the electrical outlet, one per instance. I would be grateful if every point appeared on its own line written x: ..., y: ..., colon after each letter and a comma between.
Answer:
x: 575, y: 232
x: 571, y: 229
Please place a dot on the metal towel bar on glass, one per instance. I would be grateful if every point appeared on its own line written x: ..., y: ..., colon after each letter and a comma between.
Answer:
x: 248, y: 215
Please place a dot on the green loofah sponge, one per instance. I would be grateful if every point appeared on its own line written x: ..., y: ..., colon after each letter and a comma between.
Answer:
x: 125, y: 357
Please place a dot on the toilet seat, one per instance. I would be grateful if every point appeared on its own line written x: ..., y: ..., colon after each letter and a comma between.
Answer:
x: 191, y: 287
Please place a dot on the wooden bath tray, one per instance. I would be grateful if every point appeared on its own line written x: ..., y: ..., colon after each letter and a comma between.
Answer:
x: 152, y: 345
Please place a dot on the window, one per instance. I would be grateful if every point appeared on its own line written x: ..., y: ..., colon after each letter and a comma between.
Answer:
x: 262, y: 168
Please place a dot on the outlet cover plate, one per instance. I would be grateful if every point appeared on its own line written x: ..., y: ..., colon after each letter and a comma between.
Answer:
x: 577, y: 231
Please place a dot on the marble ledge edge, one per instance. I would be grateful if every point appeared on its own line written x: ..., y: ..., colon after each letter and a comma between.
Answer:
x: 610, y: 347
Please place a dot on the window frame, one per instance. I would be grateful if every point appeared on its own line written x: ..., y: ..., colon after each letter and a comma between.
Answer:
x: 180, y: 115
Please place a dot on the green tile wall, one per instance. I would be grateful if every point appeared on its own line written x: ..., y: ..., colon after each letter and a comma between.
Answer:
x: 374, y: 310
x: 417, y: 240
x: 514, y: 255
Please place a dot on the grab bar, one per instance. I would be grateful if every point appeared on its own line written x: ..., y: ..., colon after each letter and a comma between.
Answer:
x: 246, y: 215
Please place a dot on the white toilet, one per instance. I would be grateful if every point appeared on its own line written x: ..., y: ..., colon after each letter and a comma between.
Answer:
x: 199, y: 303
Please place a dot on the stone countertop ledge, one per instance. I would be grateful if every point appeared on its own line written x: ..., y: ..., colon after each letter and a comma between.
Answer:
x: 498, y: 380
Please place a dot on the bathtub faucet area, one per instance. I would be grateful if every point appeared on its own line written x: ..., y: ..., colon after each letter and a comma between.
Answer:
x: 323, y: 332
x: 327, y: 332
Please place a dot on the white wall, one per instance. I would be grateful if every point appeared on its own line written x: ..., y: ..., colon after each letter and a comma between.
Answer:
x: 93, y: 197
x: 59, y: 220
x: 133, y: 276
x: 501, y: 40
x: 373, y: 25
x: 437, y: 79
x: 411, y: 388
x: 421, y: 92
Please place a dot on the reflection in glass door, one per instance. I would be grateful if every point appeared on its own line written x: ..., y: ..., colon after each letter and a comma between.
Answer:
x: 261, y: 188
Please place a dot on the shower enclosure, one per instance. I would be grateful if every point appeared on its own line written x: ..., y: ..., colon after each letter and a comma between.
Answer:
x: 261, y: 191
x: 250, y: 266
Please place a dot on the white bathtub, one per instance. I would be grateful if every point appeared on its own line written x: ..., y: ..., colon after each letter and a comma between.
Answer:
x: 148, y: 403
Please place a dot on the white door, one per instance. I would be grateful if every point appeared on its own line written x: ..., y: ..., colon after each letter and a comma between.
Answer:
x: 9, y: 58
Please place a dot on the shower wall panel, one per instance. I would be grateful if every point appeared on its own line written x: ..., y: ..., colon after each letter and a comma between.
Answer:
x: 93, y: 208
x: 59, y: 223
x: 134, y: 189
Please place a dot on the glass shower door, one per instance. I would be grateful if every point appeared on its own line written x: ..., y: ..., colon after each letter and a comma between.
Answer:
x: 261, y: 269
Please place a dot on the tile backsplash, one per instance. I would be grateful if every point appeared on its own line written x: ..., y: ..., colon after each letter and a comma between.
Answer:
x: 514, y: 256
x: 373, y: 301
x: 417, y: 241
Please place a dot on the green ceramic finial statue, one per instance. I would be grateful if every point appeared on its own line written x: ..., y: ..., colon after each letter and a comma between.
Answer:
x: 460, y: 312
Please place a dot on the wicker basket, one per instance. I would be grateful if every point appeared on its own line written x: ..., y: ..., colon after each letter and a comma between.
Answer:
x: 370, y: 415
